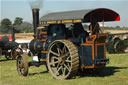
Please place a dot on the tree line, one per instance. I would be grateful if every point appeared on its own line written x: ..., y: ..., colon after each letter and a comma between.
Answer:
x: 19, y: 26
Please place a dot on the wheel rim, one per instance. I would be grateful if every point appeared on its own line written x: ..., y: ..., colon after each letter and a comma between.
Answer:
x: 14, y: 54
x: 60, y: 60
x: 22, y: 66
x: 119, y: 47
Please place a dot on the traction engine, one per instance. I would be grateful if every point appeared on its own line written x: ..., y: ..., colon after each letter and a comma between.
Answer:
x: 66, y: 49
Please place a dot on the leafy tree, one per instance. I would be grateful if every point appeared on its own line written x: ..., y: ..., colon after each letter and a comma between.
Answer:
x: 18, y: 21
x: 24, y: 27
x: 117, y: 26
x: 5, y: 25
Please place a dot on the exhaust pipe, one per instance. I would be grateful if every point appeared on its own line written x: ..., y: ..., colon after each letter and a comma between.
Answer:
x: 35, y: 13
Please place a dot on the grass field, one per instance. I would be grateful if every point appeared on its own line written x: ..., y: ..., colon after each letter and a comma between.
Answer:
x: 115, y: 73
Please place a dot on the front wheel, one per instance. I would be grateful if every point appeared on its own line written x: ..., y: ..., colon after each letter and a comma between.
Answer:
x: 62, y: 59
x: 15, y: 52
x: 22, y: 65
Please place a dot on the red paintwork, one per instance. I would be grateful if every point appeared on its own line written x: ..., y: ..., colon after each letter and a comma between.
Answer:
x: 101, y: 14
x: 10, y: 38
x: 117, y: 19
x: 45, y: 36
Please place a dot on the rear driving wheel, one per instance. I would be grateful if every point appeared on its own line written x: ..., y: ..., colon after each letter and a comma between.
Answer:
x: 22, y: 65
x: 62, y: 59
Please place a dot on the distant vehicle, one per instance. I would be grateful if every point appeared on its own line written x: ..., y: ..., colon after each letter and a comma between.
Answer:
x: 115, y: 44
x: 8, y: 46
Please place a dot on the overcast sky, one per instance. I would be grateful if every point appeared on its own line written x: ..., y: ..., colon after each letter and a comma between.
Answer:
x: 20, y: 8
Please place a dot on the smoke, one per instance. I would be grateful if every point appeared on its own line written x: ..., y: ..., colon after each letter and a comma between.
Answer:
x: 36, y: 4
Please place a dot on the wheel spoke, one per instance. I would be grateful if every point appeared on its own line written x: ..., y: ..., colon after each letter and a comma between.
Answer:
x: 68, y: 61
x: 68, y: 64
x: 67, y: 54
x: 64, y: 71
x: 57, y: 72
x: 58, y: 65
x: 61, y: 52
x: 64, y: 49
x: 58, y: 50
x: 54, y: 53
x: 55, y: 58
x: 67, y: 67
x: 68, y: 58
x: 53, y: 63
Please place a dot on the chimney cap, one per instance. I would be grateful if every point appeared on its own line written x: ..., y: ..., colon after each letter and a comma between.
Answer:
x: 35, y: 9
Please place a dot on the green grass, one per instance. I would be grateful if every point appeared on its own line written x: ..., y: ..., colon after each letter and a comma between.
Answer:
x: 115, y: 73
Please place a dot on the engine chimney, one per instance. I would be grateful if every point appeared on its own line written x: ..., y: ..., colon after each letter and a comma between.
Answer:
x: 35, y: 13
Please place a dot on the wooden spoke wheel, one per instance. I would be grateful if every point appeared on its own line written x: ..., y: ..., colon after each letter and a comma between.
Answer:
x: 62, y: 59
x: 15, y: 52
x: 22, y: 65
x: 119, y: 47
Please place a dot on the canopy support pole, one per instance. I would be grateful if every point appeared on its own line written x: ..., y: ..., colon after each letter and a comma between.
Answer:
x: 103, y: 25
x: 103, y: 22
x: 91, y: 23
x: 91, y: 28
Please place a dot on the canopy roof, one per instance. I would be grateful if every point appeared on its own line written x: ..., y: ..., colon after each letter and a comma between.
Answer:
x: 80, y: 16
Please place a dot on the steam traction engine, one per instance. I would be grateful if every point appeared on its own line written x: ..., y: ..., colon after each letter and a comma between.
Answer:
x: 8, y: 48
x: 65, y: 50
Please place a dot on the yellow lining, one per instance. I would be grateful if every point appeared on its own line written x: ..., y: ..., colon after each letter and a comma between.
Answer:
x: 59, y: 21
x: 77, y: 20
x: 67, y: 21
x: 51, y: 22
